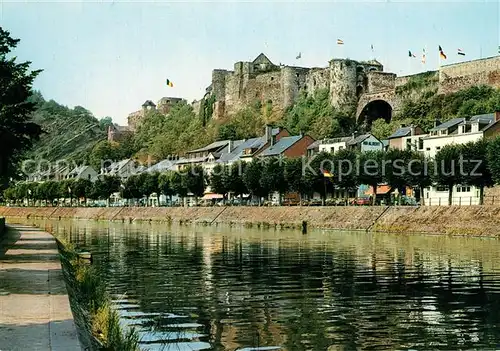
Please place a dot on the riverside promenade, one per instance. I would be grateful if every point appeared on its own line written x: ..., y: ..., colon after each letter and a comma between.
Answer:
x: 34, y: 306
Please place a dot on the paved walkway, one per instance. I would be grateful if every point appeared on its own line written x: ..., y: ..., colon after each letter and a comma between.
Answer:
x: 34, y: 305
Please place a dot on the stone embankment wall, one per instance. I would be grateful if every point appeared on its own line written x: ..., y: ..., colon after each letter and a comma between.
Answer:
x: 454, y: 220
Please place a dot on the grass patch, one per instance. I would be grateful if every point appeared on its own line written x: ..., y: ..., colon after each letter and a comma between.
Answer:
x: 90, y: 298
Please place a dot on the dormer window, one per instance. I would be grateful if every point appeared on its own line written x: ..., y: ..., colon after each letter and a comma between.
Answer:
x: 444, y: 132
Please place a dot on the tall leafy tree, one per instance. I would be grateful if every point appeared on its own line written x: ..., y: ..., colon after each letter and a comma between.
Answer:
x: 476, y: 167
x: 218, y: 180
x: 448, y: 171
x: 295, y: 177
x: 273, y: 176
x: 418, y: 173
x: 234, y: 178
x: 195, y: 181
x: 251, y: 178
x: 17, y: 131
x: 371, y: 169
x: 493, y: 154
x: 165, y: 184
x: 344, y: 172
x: 81, y: 188
x: 314, y: 173
x: 179, y: 184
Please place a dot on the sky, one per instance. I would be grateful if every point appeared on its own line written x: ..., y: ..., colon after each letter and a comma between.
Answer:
x: 110, y: 57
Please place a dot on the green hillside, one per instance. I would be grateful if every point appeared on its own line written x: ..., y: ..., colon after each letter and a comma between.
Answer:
x: 67, y: 133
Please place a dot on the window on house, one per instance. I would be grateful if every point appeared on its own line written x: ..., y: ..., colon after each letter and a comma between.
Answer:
x: 428, y: 149
x: 438, y: 147
x: 272, y: 78
x: 463, y: 188
x: 442, y: 188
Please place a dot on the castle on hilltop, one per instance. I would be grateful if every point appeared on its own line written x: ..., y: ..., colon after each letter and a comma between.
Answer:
x: 360, y: 86
x: 279, y: 85
x: 134, y: 119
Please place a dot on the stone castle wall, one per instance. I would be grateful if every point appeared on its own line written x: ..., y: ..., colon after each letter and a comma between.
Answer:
x: 464, y: 75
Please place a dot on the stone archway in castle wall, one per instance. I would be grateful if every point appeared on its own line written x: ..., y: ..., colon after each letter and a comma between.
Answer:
x: 373, y: 107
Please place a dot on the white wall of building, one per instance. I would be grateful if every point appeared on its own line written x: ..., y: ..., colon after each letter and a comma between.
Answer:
x: 332, y: 147
x: 433, y: 144
x: 463, y: 195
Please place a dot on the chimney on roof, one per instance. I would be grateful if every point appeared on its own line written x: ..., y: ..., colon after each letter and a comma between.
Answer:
x: 497, y: 116
x: 412, y: 129
x: 269, y: 134
x: 229, y: 146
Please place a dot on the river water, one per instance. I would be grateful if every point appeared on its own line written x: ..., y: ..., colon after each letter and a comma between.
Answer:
x: 196, y: 288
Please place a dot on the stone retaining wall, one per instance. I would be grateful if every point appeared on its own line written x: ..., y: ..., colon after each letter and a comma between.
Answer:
x: 454, y: 220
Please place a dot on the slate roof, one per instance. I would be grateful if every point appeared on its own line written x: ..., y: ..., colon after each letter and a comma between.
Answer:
x: 79, y: 170
x: 283, y: 144
x: 211, y: 147
x: 484, y: 118
x: 448, y: 124
x: 164, y: 165
x: 358, y: 139
x: 239, y: 148
x: 401, y: 132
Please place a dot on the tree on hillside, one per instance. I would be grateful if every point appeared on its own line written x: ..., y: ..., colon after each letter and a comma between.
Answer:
x: 103, y: 152
x: 17, y: 131
x: 476, y: 168
x: 447, y: 170
x: 315, y: 115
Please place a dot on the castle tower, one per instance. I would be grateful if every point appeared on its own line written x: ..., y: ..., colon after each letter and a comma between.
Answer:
x: 290, y: 86
x: 343, y: 79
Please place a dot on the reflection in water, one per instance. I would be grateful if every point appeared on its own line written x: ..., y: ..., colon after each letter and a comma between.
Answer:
x: 195, y: 288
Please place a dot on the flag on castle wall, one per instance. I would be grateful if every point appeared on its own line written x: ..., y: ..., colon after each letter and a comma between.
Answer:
x: 441, y: 53
x: 169, y: 83
x: 340, y: 42
x: 461, y: 52
x: 423, y: 56
x: 410, y: 54
x: 298, y: 56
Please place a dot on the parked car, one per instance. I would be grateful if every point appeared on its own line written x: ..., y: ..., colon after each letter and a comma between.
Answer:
x: 361, y: 201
